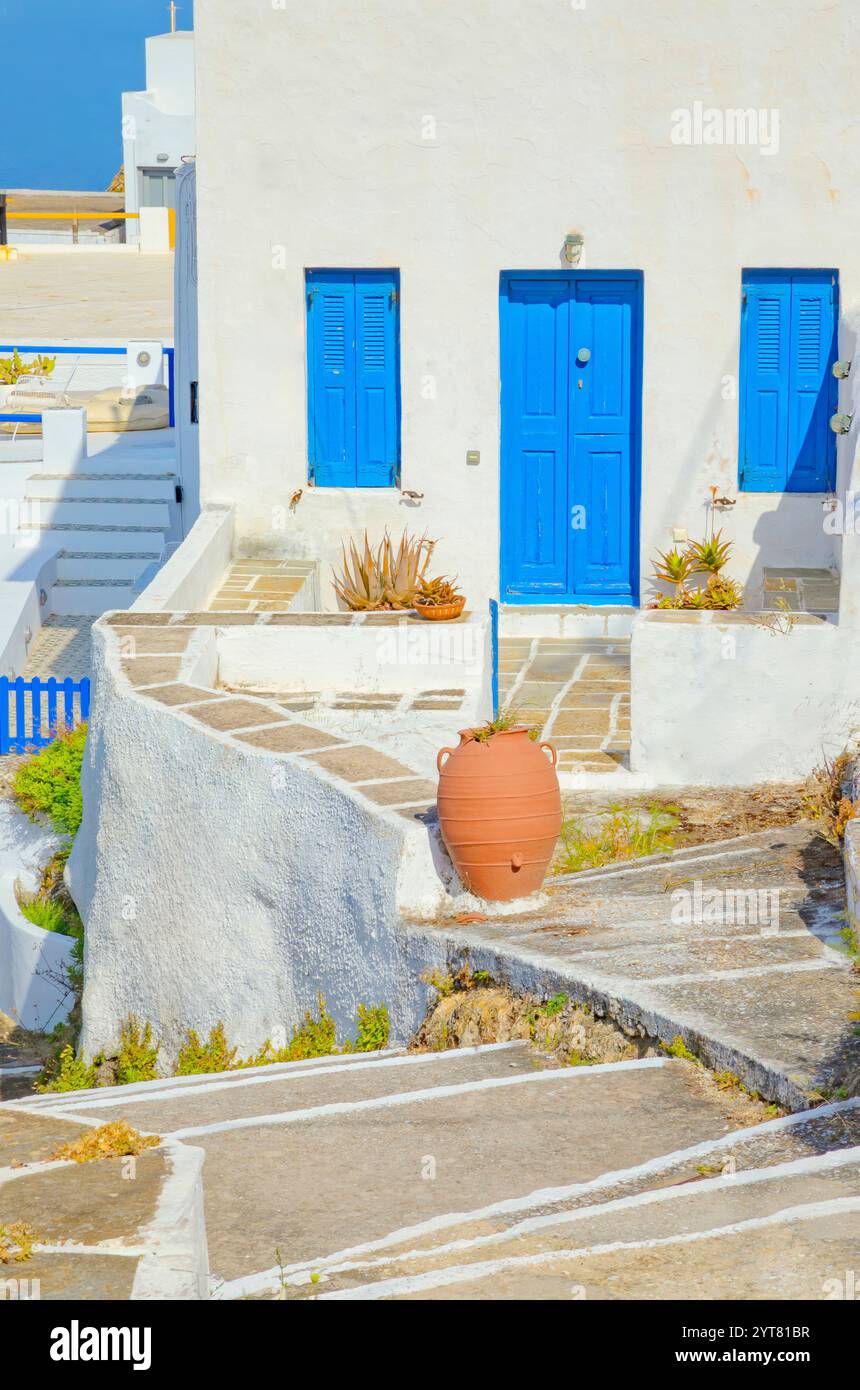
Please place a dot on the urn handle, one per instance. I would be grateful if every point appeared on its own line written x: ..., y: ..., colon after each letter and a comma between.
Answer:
x: 552, y: 749
x: 440, y: 755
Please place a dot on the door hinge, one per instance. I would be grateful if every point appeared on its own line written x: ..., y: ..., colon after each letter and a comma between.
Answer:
x: 393, y: 298
x: 195, y: 394
x: 177, y: 491
x: 310, y: 297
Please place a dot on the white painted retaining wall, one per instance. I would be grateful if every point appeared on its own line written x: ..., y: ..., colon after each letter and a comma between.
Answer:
x: 195, y: 570
x: 725, y: 700
x: 389, y: 655
x: 33, y: 963
x: 222, y: 882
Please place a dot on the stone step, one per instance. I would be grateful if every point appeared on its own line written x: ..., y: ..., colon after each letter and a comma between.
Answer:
x: 107, y: 565
x: 349, y: 1154
x: 97, y: 1234
x: 741, y: 1176
x: 87, y: 538
x: 102, y: 486
x: 636, y: 943
x: 78, y: 597
x: 107, y: 511
x: 801, y: 1251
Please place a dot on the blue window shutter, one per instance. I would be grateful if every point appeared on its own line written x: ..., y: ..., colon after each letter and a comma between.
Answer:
x: 331, y: 378
x: 376, y: 378
x: 765, y: 335
x: 812, y: 399
x: 353, y: 377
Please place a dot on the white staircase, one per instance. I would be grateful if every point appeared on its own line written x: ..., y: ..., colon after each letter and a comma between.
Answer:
x: 115, y: 513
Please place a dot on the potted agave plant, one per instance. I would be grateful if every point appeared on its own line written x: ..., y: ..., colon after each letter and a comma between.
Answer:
x: 439, y: 600
x: 499, y: 808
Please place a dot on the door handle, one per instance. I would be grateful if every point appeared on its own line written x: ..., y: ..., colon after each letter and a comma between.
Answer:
x: 583, y: 355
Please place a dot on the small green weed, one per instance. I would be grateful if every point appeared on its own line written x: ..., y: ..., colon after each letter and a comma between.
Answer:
x: 617, y: 837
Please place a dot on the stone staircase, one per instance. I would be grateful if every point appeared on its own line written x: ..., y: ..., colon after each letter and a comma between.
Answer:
x: 480, y: 1173
x: 114, y: 515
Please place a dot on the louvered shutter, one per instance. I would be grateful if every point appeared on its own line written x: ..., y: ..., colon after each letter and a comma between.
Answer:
x: 811, y: 399
x: 764, y: 399
x: 376, y: 378
x: 331, y: 379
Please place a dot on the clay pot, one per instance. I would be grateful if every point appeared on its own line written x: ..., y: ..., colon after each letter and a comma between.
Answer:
x: 499, y: 811
x: 440, y: 612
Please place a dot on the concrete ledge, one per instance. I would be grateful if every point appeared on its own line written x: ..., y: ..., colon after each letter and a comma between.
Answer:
x: 194, y: 571
x: 565, y: 620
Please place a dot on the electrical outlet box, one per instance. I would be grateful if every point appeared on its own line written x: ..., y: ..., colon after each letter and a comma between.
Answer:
x: 679, y: 534
x: 473, y: 456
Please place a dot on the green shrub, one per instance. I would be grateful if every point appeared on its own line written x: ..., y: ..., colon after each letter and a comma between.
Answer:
x: 49, y: 784
x: 315, y: 1037
x: 138, y: 1055
x: 374, y: 1027
x: 66, y: 1072
x: 214, y: 1055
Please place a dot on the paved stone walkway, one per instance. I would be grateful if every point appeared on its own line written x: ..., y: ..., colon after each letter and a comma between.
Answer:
x: 577, y: 691
x: 61, y: 648
x: 261, y: 586
x: 734, y: 946
x: 800, y: 590
x: 473, y: 1173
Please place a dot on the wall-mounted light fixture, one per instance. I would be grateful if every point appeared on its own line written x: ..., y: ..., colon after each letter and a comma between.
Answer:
x: 573, y: 244
x: 841, y: 424
x: 841, y: 368
x: 162, y: 158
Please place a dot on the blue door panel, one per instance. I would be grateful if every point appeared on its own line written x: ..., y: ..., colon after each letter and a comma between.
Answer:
x: 602, y: 484
x: 602, y: 325
x: 569, y: 418
x: 535, y: 414
x: 788, y: 345
x: 353, y: 378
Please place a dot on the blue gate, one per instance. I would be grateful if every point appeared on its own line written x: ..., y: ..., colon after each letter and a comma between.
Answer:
x: 32, y: 713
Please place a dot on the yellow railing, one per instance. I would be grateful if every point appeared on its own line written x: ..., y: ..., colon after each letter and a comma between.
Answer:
x: 75, y: 217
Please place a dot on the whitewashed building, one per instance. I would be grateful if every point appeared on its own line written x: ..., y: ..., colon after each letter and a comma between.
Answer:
x: 529, y: 183
x: 158, y: 124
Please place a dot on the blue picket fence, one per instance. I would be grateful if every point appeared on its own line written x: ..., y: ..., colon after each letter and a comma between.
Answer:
x: 52, y: 707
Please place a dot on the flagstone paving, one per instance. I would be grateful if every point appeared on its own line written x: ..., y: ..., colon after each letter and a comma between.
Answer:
x: 480, y: 1172
x: 736, y: 947
x: 576, y: 691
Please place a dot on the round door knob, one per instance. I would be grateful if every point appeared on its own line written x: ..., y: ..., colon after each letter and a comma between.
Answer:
x: 583, y: 355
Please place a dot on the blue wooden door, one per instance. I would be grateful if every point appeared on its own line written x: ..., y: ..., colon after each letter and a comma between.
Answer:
x: 353, y: 378
x: 788, y: 392
x: 569, y: 352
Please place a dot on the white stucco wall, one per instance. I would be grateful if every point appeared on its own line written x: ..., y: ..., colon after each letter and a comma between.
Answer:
x: 223, y: 882
x: 721, y: 700
x: 454, y: 142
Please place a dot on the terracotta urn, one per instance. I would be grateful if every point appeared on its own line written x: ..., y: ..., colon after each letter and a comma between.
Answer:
x: 499, y: 811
